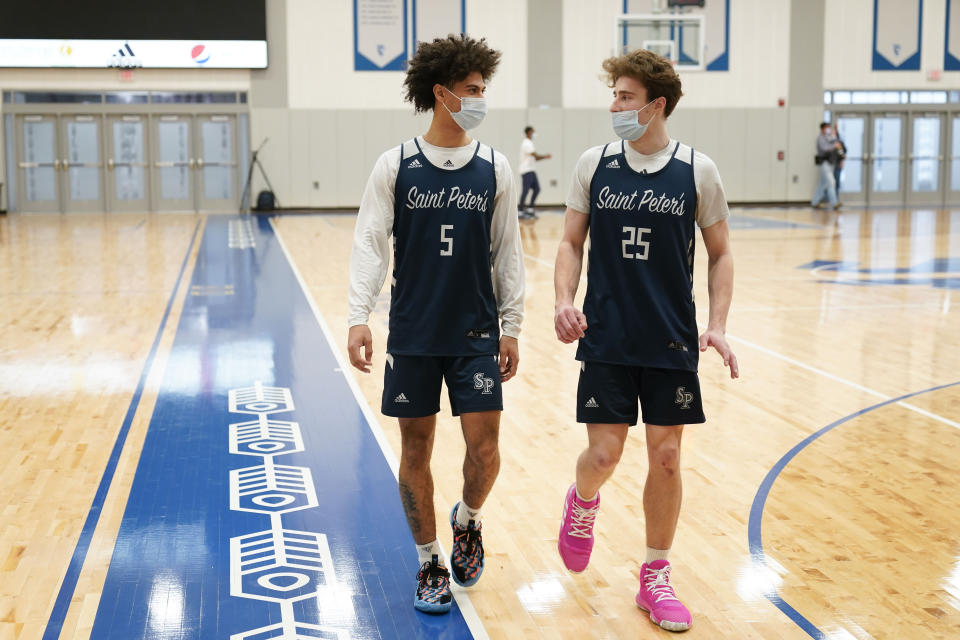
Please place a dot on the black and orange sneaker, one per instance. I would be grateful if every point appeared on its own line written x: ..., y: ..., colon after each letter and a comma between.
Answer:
x: 433, y: 588
x: 466, y: 559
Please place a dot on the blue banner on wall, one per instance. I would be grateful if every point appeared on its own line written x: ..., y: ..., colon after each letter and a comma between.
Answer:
x: 379, y: 35
x: 897, y: 35
x: 951, y: 45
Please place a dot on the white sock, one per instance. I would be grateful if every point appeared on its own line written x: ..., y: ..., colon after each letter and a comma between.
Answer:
x: 582, y: 499
x: 656, y: 554
x: 465, y: 514
x: 425, y: 552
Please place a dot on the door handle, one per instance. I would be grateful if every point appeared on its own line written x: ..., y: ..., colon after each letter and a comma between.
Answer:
x: 191, y: 162
x: 110, y: 164
x: 200, y: 163
x: 66, y: 165
x: 56, y: 165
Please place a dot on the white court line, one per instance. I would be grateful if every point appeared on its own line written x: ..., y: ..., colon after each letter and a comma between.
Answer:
x: 849, y: 383
x: 463, y: 599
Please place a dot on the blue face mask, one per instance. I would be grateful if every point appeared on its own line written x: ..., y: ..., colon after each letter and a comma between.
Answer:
x: 472, y: 111
x: 626, y: 123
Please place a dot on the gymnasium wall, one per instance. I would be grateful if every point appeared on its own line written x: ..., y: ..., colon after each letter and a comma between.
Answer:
x: 848, y: 38
x: 327, y: 123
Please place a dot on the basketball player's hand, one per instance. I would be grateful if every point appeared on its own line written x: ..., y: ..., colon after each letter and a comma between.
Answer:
x: 509, y: 357
x: 569, y: 322
x: 360, y: 347
x: 716, y: 339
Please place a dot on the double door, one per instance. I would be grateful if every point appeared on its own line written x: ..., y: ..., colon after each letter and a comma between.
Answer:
x: 127, y: 162
x: 900, y: 158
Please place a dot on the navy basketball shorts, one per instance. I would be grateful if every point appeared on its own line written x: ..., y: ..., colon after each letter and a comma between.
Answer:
x: 411, y: 385
x: 608, y: 394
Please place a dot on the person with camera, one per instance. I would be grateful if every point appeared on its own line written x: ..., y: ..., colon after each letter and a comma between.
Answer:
x: 828, y: 150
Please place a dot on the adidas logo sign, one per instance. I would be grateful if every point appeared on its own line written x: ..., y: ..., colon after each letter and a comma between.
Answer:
x: 414, y: 165
x: 401, y: 398
x: 613, y: 164
x: 448, y: 163
x: 592, y: 403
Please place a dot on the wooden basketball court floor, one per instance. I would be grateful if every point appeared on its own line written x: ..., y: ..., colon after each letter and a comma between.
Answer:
x: 820, y: 498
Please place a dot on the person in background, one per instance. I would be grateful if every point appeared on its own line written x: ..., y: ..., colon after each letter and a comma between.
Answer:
x: 528, y: 174
x: 827, y: 145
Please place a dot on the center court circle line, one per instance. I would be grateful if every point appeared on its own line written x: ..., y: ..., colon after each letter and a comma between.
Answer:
x: 754, y: 525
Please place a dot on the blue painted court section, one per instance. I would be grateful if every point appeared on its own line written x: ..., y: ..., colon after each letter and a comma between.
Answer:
x: 246, y: 321
x: 939, y: 273
x: 754, y: 525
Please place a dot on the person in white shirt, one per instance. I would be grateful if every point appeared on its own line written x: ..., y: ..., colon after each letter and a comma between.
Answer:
x: 456, y: 300
x: 528, y: 174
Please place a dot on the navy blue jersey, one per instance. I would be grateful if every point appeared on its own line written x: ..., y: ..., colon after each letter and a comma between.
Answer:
x: 442, y: 301
x: 639, y: 302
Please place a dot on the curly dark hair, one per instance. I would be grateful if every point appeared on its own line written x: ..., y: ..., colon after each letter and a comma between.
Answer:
x: 654, y: 72
x: 446, y: 61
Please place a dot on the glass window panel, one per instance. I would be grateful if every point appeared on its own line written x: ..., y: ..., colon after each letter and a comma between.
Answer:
x: 826, y: 97
x: 56, y: 97
x: 84, y: 183
x: 127, y: 97
x: 218, y: 183
x: 860, y: 97
x: 928, y: 97
x: 217, y: 142
x: 955, y: 156
x: 174, y: 146
x: 891, y: 97
x: 851, y: 176
x: 40, y: 183
x: 886, y: 146
x: 82, y: 142
x: 841, y: 97
x: 955, y: 96
x: 925, y: 175
x: 851, y: 132
x: 170, y: 97
x: 38, y: 141
x: 129, y: 181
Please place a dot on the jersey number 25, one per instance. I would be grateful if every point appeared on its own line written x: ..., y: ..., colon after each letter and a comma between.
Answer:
x: 633, y: 239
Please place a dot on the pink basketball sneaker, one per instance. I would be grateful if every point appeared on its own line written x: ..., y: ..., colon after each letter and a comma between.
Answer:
x: 656, y: 596
x: 576, y: 530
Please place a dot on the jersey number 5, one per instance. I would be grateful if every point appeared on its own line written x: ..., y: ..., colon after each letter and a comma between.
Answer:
x: 634, y: 238
x: 446, y: 240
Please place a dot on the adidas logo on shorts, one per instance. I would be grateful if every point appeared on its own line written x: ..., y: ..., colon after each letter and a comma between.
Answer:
x: 401, y: 399
x: 592, y: 403
x: 613, y: 164
x: 414, y: 165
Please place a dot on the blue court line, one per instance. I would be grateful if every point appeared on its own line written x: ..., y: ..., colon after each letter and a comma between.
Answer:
x: 754, y: 534
x: 69, y: 584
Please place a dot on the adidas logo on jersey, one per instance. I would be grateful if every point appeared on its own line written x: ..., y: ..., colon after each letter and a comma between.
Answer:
x: 414, y: 165
x: 613, y: 164
x: 448, y: 163
x: 401, y: 399
x: 592, y: 403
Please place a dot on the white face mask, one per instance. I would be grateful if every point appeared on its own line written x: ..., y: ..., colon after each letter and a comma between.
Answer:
x: 472, y: 111
x: 626, y: 123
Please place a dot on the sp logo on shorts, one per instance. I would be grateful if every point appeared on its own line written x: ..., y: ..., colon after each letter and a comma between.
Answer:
x: 481, y: 382
x: 684, y: 398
